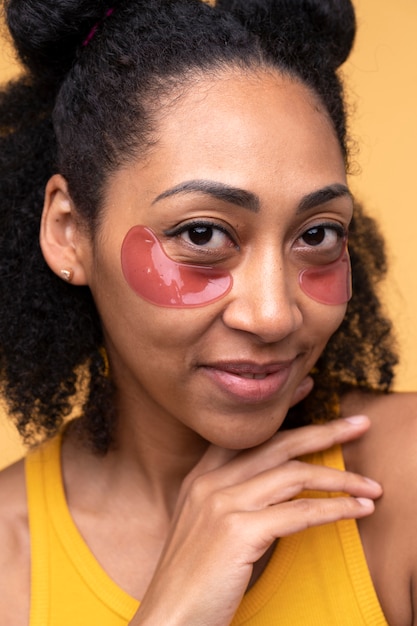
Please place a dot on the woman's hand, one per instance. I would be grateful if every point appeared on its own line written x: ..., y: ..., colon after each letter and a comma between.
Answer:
x: 233, y: 506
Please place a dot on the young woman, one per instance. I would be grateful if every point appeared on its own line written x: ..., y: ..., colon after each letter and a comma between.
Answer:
x: 190, y: 308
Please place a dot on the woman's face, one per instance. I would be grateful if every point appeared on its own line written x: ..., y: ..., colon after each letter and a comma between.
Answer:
x: 246, y: 176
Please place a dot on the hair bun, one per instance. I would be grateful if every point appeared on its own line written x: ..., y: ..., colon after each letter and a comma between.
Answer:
x: 48, y: 33
x: 301, y: 25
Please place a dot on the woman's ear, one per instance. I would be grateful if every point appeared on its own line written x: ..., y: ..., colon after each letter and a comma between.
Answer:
x: 64, y: 245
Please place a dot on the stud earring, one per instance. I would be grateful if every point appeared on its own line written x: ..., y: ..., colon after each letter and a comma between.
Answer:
x: 67, y: 274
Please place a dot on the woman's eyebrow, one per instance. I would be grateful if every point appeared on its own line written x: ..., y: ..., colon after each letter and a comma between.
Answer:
x: 249, y: 200
x: 323, y: 195
x: 220, y: 191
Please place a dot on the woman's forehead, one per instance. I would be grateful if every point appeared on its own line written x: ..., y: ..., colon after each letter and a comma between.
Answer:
x: 233, y: 126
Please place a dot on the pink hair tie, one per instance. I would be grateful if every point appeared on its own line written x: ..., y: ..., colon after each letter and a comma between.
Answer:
x: 96, y: 25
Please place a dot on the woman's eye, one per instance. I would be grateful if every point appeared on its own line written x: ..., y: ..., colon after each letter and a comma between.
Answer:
x: 209, y: 237
x: 321, y: 244
x: 323, y: 236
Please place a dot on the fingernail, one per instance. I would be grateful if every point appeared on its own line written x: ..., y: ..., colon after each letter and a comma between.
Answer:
x: 356, y: 419
x: 372, y: 482
x: 367, y: 503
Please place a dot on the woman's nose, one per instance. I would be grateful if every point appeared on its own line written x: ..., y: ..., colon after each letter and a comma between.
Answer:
x: 264, y: 300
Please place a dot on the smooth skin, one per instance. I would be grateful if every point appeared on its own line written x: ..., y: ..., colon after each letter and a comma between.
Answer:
x: 202, y: 393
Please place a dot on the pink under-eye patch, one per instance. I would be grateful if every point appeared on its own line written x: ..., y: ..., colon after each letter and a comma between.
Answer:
x: 328, y: 284
x: 157, y: 278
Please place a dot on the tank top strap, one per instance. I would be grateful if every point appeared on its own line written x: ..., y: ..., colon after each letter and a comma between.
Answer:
x: 38, y: 527
x: 69, y: 586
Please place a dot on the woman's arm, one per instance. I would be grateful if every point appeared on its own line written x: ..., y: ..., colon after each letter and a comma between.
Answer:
x: 388, y: 453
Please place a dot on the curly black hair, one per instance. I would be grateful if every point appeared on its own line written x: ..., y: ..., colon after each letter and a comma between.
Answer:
x: 86, y: 104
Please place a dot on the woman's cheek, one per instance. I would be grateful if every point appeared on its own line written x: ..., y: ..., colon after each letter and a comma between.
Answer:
x: 328, y: 284
x: 157, y: 278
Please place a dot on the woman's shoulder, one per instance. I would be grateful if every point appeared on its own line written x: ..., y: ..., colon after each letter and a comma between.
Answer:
x: 388, y: 453
x: 393, y: 432
x: 14, y: 546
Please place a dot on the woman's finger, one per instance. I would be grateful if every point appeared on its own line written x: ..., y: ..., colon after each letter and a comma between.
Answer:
x: 231, y: 468
x: 287, y: 518
x: 294, y: 477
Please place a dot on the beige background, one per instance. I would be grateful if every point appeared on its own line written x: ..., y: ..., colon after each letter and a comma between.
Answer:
x: 381, y: 76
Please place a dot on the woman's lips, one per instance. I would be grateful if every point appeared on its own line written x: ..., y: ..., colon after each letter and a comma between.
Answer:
x: 249, y: 382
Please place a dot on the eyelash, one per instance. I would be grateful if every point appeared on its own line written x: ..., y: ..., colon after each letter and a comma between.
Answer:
x: 213, y: 226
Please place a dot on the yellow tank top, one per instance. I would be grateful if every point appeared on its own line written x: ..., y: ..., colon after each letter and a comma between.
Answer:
x: 317, y: 577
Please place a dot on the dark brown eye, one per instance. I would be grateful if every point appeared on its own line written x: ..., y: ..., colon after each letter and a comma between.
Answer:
x: 315, y: 236
x: 204, y: 237
x: 200, y: 235
x: 322, y: 243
